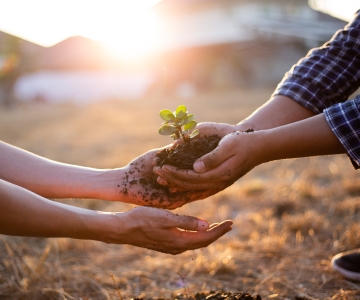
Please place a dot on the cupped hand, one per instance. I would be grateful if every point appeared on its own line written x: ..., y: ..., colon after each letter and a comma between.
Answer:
x: 163, y: 231
x: 139, y: 186
x: 236, y: 154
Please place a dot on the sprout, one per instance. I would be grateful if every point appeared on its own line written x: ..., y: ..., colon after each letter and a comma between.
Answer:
x: 178, y: 124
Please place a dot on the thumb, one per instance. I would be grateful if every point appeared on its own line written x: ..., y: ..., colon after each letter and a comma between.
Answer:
x: 190, y: 223
x: 213, y: 159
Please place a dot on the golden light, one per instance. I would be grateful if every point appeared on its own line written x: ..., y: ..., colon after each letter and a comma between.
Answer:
x: 344, y: 9
x: 127, y: 27
x: 134, y: 35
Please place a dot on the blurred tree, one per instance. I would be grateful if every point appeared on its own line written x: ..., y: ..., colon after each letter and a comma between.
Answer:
x: 10, y: 55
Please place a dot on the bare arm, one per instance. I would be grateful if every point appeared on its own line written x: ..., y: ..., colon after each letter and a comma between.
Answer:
x: 279, y: 110
x: 135, y: 183
x: 49, y: 178
x: 24, y: 213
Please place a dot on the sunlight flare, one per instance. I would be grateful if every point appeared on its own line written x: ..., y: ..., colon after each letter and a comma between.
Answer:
x: 128, y: 28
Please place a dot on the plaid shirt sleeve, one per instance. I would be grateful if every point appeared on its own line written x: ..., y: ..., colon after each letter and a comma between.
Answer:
x: 324, y: 79
x: 344, y: 120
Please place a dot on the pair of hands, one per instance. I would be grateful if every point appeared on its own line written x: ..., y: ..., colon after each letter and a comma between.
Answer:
x: 140, y: 185
x: 151, y: 226
x: 161, y: 230
x: 144, y: 183
x: 235, y: 155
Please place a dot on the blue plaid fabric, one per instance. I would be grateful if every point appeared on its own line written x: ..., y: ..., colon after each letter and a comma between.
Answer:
x: 324, y: 79
x: 344, y: 120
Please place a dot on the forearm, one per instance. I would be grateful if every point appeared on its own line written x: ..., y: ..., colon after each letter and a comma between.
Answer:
x: 24, y: 213
x: 52, y: 179
x: 309, y: 137
x: 278, y: 111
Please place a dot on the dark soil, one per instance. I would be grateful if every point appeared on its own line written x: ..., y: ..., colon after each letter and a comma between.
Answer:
x: 218, y: 295
x: 184, y: 155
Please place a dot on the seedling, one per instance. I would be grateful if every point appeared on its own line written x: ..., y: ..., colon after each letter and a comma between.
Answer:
x: 178, y: 124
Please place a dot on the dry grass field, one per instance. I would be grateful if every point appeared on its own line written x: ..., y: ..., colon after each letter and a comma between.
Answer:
x: 290, y: 217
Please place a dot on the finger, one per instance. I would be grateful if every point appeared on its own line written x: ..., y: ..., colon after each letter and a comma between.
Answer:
x: 175, y: 190
x: 162, y: 181
x: 156, y: 161
x: 189, y: 223
x: 195, y: 240
x: 221, y: 173
x: 177, y: 183
x: 186, y: 185
x: 224, y: 225
x: 215, y: 158
x: 213, y: 225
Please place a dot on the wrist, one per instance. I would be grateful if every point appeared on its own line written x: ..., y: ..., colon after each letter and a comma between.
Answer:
x: 106, y: 184
x: 108, y: 227
x: 261, y: 146
x: 245, y: 125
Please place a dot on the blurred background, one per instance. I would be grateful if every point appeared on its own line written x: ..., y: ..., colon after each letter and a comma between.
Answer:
x: 87, y: 51
x: 83, y: 81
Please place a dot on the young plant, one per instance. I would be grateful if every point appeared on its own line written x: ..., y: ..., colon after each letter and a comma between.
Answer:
x: 178, y: 124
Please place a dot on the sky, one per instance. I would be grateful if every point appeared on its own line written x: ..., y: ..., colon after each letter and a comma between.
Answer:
x: 342, y: 9
x: 126, y: 26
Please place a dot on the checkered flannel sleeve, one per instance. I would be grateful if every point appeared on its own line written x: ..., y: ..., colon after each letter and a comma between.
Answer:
x: 344, y: 120
x: 328, y: 74
x: 324, y: 79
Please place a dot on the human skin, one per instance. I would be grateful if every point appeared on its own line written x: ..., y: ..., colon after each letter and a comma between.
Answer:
x: 27, y: 179
x: 24, y: 213
x: 283, y: 129
x: 133, y: 183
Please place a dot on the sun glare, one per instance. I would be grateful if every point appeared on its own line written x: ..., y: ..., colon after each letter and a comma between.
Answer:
x: 344, y: 9
x: 132, y: 36
x: 127, y: 27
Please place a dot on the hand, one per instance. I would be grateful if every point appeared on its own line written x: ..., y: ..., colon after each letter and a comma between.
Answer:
x: 236, y: 154
x: 139, y: 186
x: 163, y: 231
x: 210, y: 128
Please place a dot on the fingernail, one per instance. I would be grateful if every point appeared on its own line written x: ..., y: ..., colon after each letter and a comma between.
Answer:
x: 199, y: 166
x: 203, y: 225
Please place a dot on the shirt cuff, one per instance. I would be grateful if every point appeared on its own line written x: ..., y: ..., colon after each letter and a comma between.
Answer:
x: 344, y: 121
x: 304, y: 92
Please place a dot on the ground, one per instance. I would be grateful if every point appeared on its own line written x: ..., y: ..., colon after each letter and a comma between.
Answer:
x: 290, y: 217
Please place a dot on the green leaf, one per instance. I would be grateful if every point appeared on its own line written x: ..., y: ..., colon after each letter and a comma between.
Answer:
x: 188, y: 119
x: 167, y: 115
x: 163, y: 132
x: 194, y: 133
x: 180, y: 111
x: 167, y: 130
x: 174, y: 136
x: 172, y: 117
x: 192, y: 124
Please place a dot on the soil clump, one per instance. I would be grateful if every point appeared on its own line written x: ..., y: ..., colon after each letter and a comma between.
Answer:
x: 184, y: 155
x: 218, y: 295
